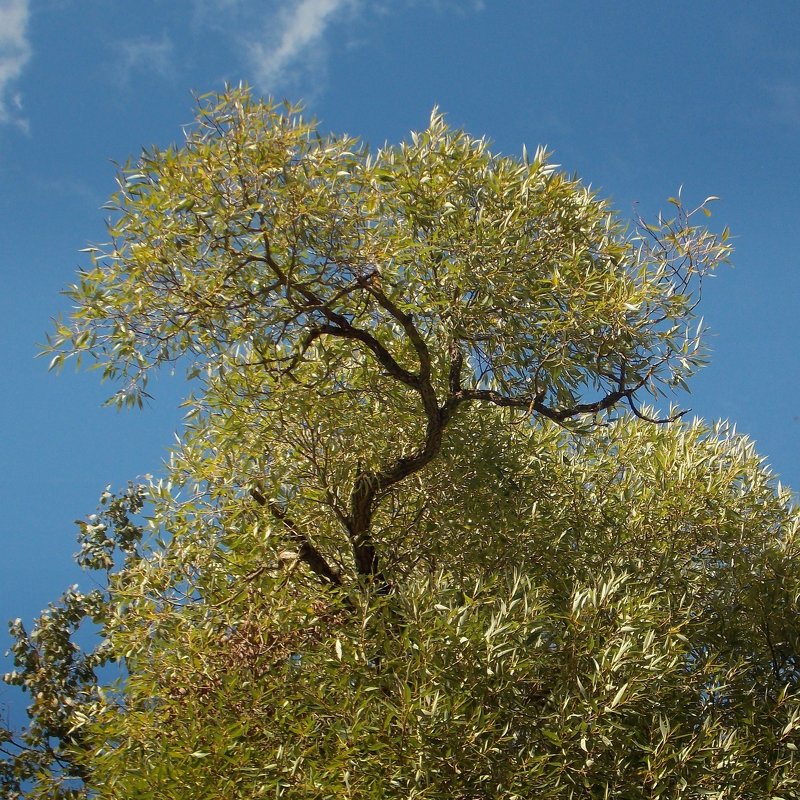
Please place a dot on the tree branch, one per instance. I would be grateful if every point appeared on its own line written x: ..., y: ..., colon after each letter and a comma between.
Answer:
x: 369, y: 485
x: 406, y: 322
x: 560, y: 415
x: 307, y: 552
x: 339, y: 325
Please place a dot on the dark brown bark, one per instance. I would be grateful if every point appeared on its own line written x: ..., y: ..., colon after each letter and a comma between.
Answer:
x: 306, y: 551
x: 369, y: 486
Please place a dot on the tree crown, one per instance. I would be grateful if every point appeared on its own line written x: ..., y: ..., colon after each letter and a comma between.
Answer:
x: 420, y: 537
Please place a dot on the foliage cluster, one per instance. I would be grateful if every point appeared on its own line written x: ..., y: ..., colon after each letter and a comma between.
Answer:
x: 422, y: 536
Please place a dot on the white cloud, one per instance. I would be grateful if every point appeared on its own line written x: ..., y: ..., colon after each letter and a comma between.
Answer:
x: 146, y: 54
x: 15, y: 51
x: 285, y: 44
x: 293, y: 41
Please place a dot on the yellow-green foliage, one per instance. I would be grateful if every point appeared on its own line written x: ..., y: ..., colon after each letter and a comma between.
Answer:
x: 421, y: 536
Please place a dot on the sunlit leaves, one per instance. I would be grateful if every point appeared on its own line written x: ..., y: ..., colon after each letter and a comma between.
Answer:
x: 597, y: 613
x: 223, y: 250
x: 407, y: 545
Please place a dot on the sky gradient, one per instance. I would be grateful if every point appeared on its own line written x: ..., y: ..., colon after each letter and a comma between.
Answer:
x: 636, y: 98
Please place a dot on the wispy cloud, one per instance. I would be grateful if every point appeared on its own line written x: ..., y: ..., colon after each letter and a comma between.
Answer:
x: 145, y: 54
x: 286, y: 44
x: 15, y: 51
x: 293, y: 42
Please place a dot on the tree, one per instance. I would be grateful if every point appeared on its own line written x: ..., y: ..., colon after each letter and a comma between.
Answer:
x: 422, y: 535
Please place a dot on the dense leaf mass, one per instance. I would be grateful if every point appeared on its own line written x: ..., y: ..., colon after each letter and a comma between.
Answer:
x: 422, y: 536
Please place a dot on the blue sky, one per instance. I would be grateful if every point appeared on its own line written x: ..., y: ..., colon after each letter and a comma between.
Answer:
x: 638, y: 98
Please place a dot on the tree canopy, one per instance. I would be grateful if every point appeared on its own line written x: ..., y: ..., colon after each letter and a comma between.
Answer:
x: 425, y: 533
